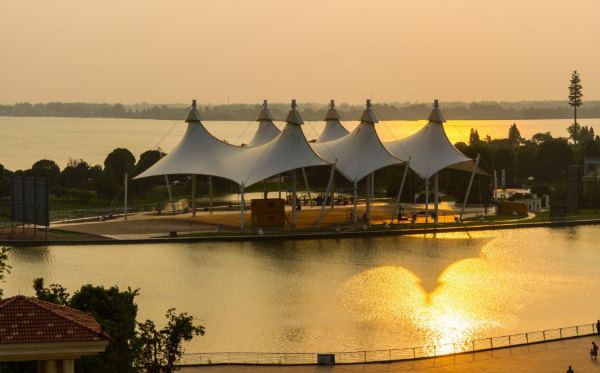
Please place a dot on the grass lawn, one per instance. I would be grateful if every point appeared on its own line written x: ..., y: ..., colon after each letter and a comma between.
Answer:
x: 498, y: 218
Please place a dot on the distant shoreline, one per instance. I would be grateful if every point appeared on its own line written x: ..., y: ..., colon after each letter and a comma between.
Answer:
x: 312, y: 112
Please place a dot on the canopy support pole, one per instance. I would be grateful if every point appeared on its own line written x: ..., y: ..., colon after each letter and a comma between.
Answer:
x: 331, y: 197
x: 368, y: 196
x: 355, y: 202
x: 294, y: 197
x: 495, y: 186
x: 210, y: 203
x: 306, y: 182
x: 125, y: 211
x: 266, y: 189
x: 400, y: 191
x: 372, y: 188
x: 193, y: 195
x: 170, y: 195
x: 327, y: 193
x: 279, y: 184
x: 435, y: 194
x: 469, y: 188
x: 426, y: 200
x: 242, y: 206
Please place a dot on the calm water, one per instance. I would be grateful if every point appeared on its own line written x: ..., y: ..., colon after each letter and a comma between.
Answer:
x: 344, y: 295
x: 24, y: 141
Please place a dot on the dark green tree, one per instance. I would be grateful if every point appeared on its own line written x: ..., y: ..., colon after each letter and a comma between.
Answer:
x: 4, y: 268
x: 393, y: 179
x: 160, y: 351
x: 474, y: 137
x: 121, y: 162
x: 148, y: 159
x: 540, y: 137
x: 589, y: 148
x: 47, y: 169
x: 551, y: 160
x: 504, y: 159
x: 115, y: 311
x: 525, y: 162
x: 575, y: 101
x: 514, y: 136
x: 54, y: 294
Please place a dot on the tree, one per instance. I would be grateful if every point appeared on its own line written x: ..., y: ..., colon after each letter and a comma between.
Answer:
x: 115, y: 311
x: 525, y: 162
x: 574, y: 132
x: 504, y: 159
x: 589, y: 148
x: 393, y: 179
x: 514, y: 136
x: 575, y: 101
x: 474, y: 137
x: 541, y: 137
x: 121, y: 162
x: 159, y: 352
x: 55, y: 294
x: 148, y: 159
x: 47, y: 169
x: 76, y: 174
x: 551, y: 159
x: 3, y: 266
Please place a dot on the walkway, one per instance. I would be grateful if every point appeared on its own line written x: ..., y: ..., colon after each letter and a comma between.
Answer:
x: 555, y: 356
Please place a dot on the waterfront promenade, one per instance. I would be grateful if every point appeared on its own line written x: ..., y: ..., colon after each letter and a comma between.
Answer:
x: 553, y: 356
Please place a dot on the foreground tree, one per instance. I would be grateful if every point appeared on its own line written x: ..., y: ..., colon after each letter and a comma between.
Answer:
x: 160, y: 351
x: 541, y: 137
x: 54, y: 294
x: 121, y: 162
x: 575, y: 101
x: 3, y: 266
x: 504, y: 159
x: 47, y: 169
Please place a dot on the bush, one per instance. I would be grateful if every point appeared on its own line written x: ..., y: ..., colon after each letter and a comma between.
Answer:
x: 421, y: 198
x: 542, y: 189
x: 172, y: 234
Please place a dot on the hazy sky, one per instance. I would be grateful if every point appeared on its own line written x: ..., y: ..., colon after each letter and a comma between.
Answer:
x: 395, y: 50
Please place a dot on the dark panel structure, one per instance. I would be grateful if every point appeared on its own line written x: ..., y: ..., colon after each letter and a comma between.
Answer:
x: 574, y: 175
x: 30, y: 200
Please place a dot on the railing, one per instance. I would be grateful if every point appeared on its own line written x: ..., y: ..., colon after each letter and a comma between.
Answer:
x: 375, y: 356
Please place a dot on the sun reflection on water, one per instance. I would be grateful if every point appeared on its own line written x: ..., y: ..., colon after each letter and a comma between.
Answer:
x: 467, y: 302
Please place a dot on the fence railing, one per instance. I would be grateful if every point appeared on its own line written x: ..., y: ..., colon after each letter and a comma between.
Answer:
x: 378, y: 356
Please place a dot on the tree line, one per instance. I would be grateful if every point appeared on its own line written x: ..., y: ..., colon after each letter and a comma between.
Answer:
x: 313, y: 112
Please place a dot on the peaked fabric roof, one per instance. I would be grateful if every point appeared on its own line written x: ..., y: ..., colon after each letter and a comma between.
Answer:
x: 201, y: 153
x: 358, y: 153
x: 29, y: 320
x: 333, y: 128
x: 266, y: 129
x: 430, y: 149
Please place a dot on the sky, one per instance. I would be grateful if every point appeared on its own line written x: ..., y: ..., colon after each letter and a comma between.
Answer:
x: 244, y: 51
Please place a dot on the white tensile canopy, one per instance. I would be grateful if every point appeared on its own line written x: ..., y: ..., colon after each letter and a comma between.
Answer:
x: 200, y: 153
x: 266, y: 129
x: 358, y: 154
x: 430, y: 149
x: 333, y: 128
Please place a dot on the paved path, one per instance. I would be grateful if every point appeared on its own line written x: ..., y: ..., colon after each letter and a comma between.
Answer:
x: 544, y: 357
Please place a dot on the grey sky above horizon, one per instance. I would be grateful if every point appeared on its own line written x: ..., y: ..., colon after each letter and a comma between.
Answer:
x: 309, y: 50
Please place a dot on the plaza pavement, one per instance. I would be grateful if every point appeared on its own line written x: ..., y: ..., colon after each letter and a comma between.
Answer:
x: 546, y: 357
x: 149, y: 225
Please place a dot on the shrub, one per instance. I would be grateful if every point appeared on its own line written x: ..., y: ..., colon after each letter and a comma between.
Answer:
x: 172, y: 234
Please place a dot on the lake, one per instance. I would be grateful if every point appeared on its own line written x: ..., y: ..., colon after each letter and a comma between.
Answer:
x: 24, y: 140
x: 344, y: 294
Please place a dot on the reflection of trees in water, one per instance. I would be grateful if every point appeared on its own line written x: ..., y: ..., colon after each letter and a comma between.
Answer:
x: 36, y: 254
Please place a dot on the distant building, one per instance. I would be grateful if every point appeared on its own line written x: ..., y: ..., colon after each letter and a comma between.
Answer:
x: 31, y: 329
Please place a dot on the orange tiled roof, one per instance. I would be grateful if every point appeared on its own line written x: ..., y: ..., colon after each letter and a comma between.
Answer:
x: 29, y: 320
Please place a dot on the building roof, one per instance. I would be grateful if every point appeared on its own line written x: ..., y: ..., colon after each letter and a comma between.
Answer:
x: 29, y: 320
